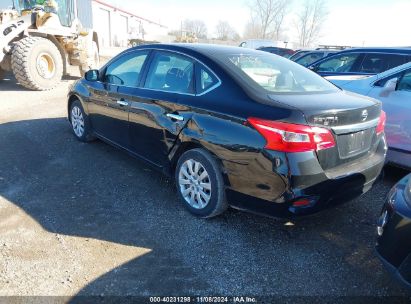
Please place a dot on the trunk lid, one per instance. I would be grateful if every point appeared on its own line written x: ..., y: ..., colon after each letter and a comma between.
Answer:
x: 351, y: 117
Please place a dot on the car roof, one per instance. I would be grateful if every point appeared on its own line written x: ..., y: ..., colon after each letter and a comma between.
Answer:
x: 272, y: 47
x: 321, y: 51
x: 209, y: 50
x: 392, y: 50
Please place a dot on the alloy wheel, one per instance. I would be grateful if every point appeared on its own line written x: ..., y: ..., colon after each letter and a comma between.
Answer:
x: 195, y: 184
x: 77, y: 121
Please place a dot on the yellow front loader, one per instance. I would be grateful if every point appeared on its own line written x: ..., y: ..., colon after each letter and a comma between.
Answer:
x: 39, y: 39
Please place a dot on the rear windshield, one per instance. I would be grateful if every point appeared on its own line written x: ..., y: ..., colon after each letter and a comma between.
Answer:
x: 278, y: 75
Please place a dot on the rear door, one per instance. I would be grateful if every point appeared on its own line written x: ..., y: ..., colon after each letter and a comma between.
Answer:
x: 397, y: 105
x: 161, y: 108
x: 110, y: 98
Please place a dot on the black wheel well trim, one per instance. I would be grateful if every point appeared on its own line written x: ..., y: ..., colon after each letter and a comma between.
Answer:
x: 191, y: 144
x: 72, y: 98
x: 180, y: 149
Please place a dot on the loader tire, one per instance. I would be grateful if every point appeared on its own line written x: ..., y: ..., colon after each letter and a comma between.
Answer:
x: 37, y: 63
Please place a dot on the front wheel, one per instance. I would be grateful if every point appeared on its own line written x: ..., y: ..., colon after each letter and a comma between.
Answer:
x: 200, y: 183
x: 80, y: 124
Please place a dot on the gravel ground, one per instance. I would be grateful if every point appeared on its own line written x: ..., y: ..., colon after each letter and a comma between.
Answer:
x: 87, y: 219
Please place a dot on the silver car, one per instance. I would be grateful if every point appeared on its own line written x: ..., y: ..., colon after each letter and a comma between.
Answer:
x: 393, y: 89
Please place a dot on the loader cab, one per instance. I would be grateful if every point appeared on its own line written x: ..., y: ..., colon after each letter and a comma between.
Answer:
x: 64, y: 9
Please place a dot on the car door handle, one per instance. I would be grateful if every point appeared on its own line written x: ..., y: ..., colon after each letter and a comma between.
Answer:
x: 122, y: 103
x: 175, y: 117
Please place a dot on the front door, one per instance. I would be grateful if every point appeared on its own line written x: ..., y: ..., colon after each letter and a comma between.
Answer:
x: 397, y: 105
x: 110, y: 98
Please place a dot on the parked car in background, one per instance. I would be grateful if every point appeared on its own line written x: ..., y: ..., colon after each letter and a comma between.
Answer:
x: 257, y: 43
x: 393, y: 89
x: 235, y: 127
x: 283, y: 52
x: 394, y: 232
x: 361, y: 61
x: 313, y: 56
x: 326, y: 49
x: 299, y: 53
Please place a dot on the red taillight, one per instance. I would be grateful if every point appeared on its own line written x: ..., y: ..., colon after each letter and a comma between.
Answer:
x: 381, y: 123
x: 287, y: 137
x: 302, y: 203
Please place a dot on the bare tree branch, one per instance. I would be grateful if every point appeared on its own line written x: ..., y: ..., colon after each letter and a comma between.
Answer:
x: 267, y: 17
x: 310, y: 21
x: 225, y: 31
x: 197, y: 27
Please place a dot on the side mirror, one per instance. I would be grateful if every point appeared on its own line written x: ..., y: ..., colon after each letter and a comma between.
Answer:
x: 92, y: 75
x: 389, y: 87
x: 312, y: 68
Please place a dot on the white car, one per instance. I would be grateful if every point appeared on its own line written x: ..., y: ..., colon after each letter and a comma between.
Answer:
x: 393, y: 89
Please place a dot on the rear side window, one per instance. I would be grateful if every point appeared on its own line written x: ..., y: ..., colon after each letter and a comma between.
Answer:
x: 405, y: 82
x: 377, y: 63
x: 206, y: 80
x: 276, y: 74
x: 297, y: 55
x: 342, y: 63
x: 126, y: 70
x: 171, y: 72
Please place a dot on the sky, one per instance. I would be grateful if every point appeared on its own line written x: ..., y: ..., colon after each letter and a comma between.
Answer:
x: 349, y: 22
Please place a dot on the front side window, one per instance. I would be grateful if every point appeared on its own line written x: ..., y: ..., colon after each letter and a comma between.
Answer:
x: 277, y: 74
x: 377, y: 63
x: 405, y: 82
x: 306, y: 60
x: 171, y: 72
x: 126, y: 71
x: 342, y: 63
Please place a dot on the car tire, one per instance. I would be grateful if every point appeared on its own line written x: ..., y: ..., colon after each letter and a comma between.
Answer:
x: 80, y: 124
x: 200, y: 183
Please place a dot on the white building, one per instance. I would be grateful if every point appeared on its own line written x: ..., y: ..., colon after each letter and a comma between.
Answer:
x: 115, y: 26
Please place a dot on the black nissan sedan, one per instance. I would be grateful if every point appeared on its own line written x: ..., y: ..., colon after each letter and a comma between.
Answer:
x: 235, y: 127
x: 394, y: 232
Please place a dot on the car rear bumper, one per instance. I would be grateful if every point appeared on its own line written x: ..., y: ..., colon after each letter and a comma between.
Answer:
x: 306, y: 182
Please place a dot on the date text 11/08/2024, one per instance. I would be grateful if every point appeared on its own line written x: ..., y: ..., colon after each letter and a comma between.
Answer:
x: 239, y: 299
